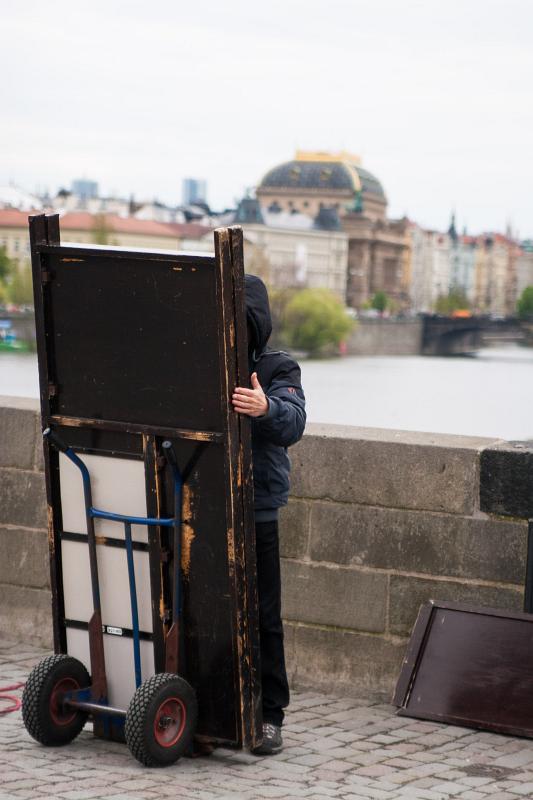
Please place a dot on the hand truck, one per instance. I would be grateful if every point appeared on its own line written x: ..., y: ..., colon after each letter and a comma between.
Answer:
x: 59, y: 695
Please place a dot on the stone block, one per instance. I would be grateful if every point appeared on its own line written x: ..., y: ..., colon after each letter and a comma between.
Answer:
x: 22, y: 498
x: 386, y: 337
x: 26, y: 615
x: 506, y: 479
x: 341, y: 661
x: 17, y: 433
x: 345, y: 598
x: 412, y: 541
x: 395, y: 469
x: 407, y: 594
x: 294, y: 529
x: 25, y: 560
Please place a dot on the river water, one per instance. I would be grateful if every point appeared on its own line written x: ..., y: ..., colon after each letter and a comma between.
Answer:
x: 489, y: 394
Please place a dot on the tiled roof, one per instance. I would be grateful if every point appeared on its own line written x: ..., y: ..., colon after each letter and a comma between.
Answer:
x: 189, y: 230
x: 84, y: 221
x: 11, y: 218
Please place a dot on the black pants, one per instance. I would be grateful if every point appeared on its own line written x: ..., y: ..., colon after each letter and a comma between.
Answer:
x: 274, y: 682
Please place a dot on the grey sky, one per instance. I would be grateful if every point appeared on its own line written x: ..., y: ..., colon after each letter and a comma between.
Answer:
x: 435, y: 96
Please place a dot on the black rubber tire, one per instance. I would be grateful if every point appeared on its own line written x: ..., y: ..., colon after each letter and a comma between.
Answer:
x: 37, y: 712
x: 141, y: 719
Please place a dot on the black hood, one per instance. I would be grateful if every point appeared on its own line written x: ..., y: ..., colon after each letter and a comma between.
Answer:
x: 257, y: 313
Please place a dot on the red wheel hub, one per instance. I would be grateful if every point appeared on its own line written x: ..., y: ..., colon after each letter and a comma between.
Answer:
x: 169, y: 721
x: 61, y: 715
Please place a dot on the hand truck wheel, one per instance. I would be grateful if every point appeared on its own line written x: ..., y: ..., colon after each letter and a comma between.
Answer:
x: 161, y: 720
x: 44, y: 716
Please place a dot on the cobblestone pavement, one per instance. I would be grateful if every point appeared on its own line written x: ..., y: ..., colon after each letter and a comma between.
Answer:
x: 334, y: 748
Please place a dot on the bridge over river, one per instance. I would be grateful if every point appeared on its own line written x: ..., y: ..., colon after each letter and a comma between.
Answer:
x: 449, y: 336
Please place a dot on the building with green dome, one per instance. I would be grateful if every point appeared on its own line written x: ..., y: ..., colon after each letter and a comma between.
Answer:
x: 316, y: 182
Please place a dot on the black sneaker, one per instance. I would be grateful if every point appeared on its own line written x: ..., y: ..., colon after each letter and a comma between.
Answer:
x: 272, y: 742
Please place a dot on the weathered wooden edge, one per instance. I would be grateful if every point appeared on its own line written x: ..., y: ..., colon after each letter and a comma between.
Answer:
x: 39, y: 227
x: 138, y: 428
x: 225, y: 289
x: 246, y: 553
x: 154, y: 549
x: 413, y: 654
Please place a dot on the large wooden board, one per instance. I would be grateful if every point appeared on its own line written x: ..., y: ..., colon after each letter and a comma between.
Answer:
x: 136, y: 347
x: 469, y: 666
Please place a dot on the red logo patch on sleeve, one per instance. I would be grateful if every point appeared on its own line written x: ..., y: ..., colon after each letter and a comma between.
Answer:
x: 291, y: 389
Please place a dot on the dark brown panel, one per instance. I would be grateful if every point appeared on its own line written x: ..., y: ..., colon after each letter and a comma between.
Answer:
x: 134, y: 341
x: 470, y: 667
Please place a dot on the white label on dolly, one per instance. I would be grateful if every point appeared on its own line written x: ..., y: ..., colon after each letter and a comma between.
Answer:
x: 113, y: 631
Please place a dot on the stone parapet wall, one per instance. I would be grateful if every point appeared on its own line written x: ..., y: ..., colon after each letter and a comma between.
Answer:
x: 25, y: 602
x: 385, y: 337
x: 378, y: 522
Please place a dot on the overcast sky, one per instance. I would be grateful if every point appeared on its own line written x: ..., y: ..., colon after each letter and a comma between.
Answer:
x: 435, y: 96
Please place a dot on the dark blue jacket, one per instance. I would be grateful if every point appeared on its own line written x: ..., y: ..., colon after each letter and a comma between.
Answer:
x: 284, y: 423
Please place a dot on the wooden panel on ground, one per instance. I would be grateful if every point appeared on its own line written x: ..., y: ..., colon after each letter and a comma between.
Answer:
x: 469, y: 666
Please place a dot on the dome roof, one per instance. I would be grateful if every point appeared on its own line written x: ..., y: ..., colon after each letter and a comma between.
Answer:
x: 329, y: 174
x: 369, y: 182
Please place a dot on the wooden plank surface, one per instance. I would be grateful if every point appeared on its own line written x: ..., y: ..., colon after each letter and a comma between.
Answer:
x: 472, y: 667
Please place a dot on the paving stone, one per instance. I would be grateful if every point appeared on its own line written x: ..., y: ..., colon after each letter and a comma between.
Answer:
x: 473, y: 795
x: 503, y: 796
x: 416, y: 793
x: 518, y: 759
x: 450, y: 788
x: 368, y: 753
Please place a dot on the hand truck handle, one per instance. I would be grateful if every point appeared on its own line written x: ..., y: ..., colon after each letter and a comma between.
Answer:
x: 55, y: 440
x: 169, y: 454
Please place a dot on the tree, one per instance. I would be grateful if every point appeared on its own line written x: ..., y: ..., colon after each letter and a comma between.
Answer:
x: 524, y: 305
x: 20, y: 289
x: 7, y: 265
x: 7, y: 268
x: 453, y: 301
x: 380, y: 301
x: 314, y: 318
x: 100, y: 230
x: 279, y: 299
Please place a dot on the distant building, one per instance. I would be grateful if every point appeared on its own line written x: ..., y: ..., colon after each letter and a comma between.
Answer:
x: 84, y: 189
x: 315, y: 182
x: 194, y: 190
x: 524, y: 268
x: 111, y: 229
x: 421, y: 284
x: 440, y: 273
x: 293, y: 250
x: 496, y: 274
x: 66, y: 200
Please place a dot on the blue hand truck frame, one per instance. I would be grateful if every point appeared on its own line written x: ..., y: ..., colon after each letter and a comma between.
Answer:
x: 156, y: 734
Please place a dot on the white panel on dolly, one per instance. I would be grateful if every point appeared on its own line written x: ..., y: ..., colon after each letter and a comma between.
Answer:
x: 118, y: 485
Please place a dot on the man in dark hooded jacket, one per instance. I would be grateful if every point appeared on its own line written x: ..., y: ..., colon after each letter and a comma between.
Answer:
x: 276, y: 404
